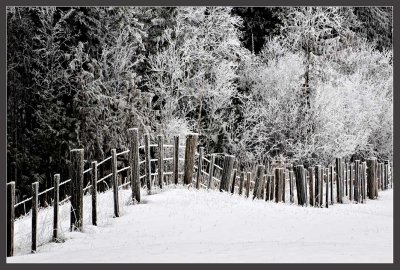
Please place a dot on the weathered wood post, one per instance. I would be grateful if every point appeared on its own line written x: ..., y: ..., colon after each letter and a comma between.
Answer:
x: 382, y: 175
x: 312, y: 186
x: 291, y: 183
x: 386, y: 176
x: 267, y: 187
x: 339, y: 180
x: 363, y: 181
x: 160, y: 141
x: 233, y: 181
x: 77, y: 189
x: 318, y: 185
x: 345, y: 177
x: 35, y: 206
x: 226, y: 172
x: 306, y: 176
x: 133, y: 135
x: 94, y: 192
x: 248, y: 181
x: 272, y: 187
x: 351, y: 183
x: 199, y: 167
x: 176, y: 160
x: 326, y: 187
x: 241, y: 183
x: 357, y: 181
x: 331, y: 180
x: 10, y: 218
x: 56, y: 198
x: 284, y: 174
x: 371, y: 178
x: 278, y: 184
x: 300, y: 186
x: 258, y: 182
x: 211, y: 170
x: 147, y: 162
x: 115, y: 181
x: 190, y: 154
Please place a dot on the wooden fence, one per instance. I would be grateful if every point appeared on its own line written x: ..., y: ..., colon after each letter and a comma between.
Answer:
x: 354, y: 181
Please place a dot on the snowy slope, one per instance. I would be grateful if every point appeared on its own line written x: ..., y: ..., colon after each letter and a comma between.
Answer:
x: 180, y: 225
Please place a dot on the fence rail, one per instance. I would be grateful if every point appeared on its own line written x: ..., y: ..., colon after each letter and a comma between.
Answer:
x: 357, y: 181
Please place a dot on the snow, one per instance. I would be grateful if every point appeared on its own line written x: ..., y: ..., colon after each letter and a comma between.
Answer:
x: 186, y: 225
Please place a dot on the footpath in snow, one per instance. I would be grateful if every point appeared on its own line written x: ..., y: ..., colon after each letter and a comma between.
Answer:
x: 181, y: 225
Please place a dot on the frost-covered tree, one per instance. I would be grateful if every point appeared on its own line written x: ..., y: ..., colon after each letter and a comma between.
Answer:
x: 193, y: 77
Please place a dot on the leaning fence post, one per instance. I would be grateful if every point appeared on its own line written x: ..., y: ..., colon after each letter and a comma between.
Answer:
x: 147, y: 158
x: 35, y: 205
x: 258, y: 181
x: 94, y: 192
x: 190, y: 154
x: 176, y: 160
x: 115, y: 181
x: 133, y: 135
x: 55, y: 206
x: 233, y: 181
x: 199, y: 167
x: 77, y: 189
x: 226, y: 172
x: 241, y: 182
x: 211, y: 170
x: 10, y: 218
x: 357, y: 180
x: 363, y: 181
x: 160, y: 160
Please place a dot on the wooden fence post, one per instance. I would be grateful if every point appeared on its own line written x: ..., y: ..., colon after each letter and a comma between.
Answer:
x: 331, y: 180
x: 357, y: 180
x: 176, y: 160
x: 312, y: 185
x: 226, y: 172
x: 233, y: 181
x: 300, y: 186
x: 115, y: 181
x: 339, y: 180
x: 278, y: 184
x: 326, y: 187
x: 318, y: 185
x: 272, y: 186
x: 284, y: 174
x: 386, y: 176
x: 190, y: 154
x: 241, y: 182
x: 55, y: 206
x: 363, y: 181
x: 147, y: 162
x: 211, y: 170
x: 35, y: 206
x: 267, y: 187
x: 77, y: 189
x: 10, y: 218
x: 94, y: 192
x: 248, y: 180
x: 199, y: 167
x: 258, y: 182
x: 371, y: 178
x: 160, y: 160
x: 291, y: 183
x: 133, y: 135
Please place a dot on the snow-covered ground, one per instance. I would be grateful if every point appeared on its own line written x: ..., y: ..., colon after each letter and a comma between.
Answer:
x: 181, y: 225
